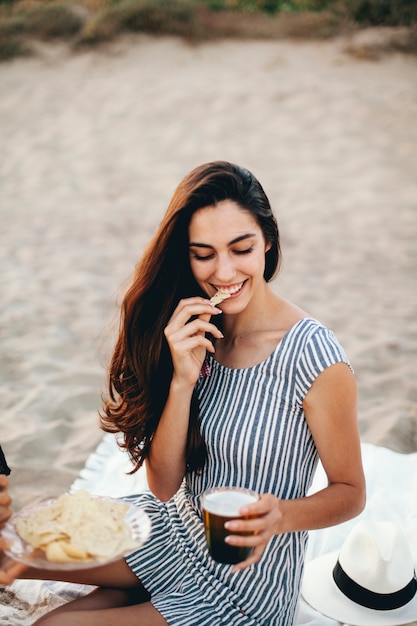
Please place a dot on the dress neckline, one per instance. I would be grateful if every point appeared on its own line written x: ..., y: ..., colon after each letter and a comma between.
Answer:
x: 213, y: 363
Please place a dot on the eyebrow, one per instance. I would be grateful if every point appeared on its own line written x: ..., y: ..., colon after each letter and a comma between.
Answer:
x: 196, y: 244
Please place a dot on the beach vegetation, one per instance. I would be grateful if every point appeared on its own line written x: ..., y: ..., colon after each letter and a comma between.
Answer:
x: 89, y: 22
x: 11, y: 47
x: 383, y: 12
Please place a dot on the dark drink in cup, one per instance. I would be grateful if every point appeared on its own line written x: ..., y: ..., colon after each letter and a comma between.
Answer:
x: 219, y: 506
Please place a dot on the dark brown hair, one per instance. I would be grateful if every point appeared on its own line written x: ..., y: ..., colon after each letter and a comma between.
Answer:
x: 141, y: 366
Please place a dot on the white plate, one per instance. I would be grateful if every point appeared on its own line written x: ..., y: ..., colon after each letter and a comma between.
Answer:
x: 21, y: 551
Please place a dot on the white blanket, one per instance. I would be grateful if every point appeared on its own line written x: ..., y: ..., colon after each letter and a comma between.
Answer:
x: 391, y: 485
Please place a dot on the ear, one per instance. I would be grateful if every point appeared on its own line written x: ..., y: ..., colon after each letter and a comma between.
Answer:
x: 268, y: 246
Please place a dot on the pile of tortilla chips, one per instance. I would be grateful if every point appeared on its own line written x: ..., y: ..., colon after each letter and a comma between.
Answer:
x: 78, y: 527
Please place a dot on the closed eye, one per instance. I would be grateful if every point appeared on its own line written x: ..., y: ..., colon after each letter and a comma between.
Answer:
x: 200, y: 257
x: 246, y: 251
x: 207, y: 257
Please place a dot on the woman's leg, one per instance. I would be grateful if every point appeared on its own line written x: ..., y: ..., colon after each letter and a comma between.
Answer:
x: 119, y: 599
x: 106, y: 607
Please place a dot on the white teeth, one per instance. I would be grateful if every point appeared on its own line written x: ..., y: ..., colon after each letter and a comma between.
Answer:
x: 231, y: 291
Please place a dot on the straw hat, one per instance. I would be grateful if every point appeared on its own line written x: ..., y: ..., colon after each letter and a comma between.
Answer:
x: 370, y: 582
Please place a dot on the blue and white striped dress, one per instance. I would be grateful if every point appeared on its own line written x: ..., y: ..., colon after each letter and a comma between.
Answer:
x: 253, y: 423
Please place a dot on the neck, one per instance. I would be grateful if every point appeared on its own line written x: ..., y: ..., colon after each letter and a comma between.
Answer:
x: 255, y: 317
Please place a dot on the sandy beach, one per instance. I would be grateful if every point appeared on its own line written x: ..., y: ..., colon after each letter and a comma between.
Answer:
x: 93, y: 144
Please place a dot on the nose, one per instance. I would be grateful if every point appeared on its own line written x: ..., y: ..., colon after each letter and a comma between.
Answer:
x: 225, y: 270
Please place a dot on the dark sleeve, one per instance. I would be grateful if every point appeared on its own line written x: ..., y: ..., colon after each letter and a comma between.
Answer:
x: 4, y: 469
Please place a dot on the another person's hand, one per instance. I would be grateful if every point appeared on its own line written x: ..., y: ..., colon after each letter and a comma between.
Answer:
x: 5, y: 501
x: 9, y: 569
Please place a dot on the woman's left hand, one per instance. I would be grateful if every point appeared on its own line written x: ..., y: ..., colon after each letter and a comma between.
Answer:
x: 265, y: 522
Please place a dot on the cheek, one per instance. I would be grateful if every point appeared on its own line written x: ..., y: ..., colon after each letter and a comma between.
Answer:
x: 254, y: 264
x: 199, y: 271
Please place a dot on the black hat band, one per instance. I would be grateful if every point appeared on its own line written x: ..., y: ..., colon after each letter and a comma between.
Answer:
x: 371, y: 599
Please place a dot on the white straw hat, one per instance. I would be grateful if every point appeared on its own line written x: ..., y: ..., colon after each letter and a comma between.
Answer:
x: 370, y: 582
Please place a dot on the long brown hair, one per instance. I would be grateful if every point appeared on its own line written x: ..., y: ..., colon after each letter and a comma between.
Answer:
x: 141, y: 367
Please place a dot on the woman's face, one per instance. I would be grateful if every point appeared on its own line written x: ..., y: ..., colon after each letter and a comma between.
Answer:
x: 227, y: 252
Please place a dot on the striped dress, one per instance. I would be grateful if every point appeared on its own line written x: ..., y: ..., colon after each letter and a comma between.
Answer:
x: 254, y: 427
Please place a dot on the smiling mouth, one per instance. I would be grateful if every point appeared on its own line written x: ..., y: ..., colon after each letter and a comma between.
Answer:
x: 230, y: 291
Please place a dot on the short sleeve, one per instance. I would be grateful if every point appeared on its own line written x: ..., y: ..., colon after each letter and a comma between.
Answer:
x: 320, y: 351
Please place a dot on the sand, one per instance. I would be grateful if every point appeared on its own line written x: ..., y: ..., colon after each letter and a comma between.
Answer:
x: 93, y: 144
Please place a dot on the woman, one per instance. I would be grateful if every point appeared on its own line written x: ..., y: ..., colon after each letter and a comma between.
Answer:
x: 248, y: 393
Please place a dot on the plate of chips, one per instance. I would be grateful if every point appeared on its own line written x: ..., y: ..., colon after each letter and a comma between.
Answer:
x: 75, y: 531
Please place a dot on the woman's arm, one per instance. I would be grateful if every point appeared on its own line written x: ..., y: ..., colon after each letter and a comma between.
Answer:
x: 330, y: 408
x: 166, y: 462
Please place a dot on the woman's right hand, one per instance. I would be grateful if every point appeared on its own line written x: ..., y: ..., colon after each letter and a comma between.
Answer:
x: 9, y: 569
x: 186, y: 336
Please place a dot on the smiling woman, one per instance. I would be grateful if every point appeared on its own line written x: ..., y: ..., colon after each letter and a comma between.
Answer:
x: 247, y: 393
x: 214, y: 198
